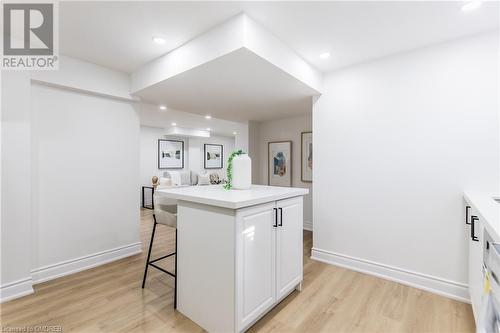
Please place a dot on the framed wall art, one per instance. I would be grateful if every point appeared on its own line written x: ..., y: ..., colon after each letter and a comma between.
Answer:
x: 280, y: 163
x: 214, y: 156
x: 306, y: 156
x: 170, y: 154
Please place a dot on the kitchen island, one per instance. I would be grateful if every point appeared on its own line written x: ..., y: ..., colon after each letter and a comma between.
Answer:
x: 482, y: 223
x: 239, y: 252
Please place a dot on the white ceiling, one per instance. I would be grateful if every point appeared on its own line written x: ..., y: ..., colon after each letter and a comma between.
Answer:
x: 246, y: 87
x: 118, y: 34
x: 149, y: 115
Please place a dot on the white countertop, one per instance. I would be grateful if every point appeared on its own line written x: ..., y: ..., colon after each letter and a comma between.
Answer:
x: 488, y: 208
x: 233, y: 199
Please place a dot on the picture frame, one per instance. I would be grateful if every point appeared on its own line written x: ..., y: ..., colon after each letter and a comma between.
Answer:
x: 306, y: 157
x: 213, y: 156
x: 170, y: 154
x: 279, y: 162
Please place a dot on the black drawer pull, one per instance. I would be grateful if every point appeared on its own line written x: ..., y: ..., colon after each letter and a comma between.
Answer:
x: 275, y: 217
x: 472, y: 227
x: 281, y: 217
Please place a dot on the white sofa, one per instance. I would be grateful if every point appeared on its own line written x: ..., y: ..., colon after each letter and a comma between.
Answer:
x: 185, y: 178
x: 176, y: 179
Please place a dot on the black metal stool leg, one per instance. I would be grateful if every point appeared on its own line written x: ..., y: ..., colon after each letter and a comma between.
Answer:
x: 149, y: 252
x: 175, y: 277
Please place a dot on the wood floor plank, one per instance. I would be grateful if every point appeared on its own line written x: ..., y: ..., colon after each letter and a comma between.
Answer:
x: 109, y: 298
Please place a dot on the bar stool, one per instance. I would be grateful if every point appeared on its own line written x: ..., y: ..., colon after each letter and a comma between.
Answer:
x: 165, y: 212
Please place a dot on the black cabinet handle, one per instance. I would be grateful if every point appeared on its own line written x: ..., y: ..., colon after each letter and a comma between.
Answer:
x: 467, y: 214
x: 281, y: 217
x: 275, y: 217
x: 472, y: 232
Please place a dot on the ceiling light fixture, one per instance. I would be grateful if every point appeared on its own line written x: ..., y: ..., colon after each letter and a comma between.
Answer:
x: 158, y: 40
x: 234, y: 133
x: 208, y: 128
x: 174, y: 124
x: 163, y: 107
x: 208, y: 116
x: 471, y: 5
x: 324, y: 55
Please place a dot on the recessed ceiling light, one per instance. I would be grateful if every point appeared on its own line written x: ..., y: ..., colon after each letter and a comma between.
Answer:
x: 208, y: 116
x: 208, y: 128
x: 234, y: 133
x: 471, y: 5
x: 158, y: 40
x: 324, y: 55
x: 163, y: 107
x: 174, y: 124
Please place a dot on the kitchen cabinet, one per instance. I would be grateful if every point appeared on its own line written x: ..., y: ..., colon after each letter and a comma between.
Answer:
x: 256, y: 272
x: 475, y: 234
x: 239, y: 252
x: 269, y: 250
x: 289, y: 245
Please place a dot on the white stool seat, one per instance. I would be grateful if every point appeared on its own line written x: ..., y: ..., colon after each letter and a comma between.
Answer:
x: 165, y: 210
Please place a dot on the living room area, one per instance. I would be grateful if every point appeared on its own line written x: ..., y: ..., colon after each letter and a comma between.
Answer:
x: 160, y: 177
x: 203, y: 144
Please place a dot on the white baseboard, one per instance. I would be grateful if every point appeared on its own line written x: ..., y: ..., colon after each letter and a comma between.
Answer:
x: 308, y: 225
x: 16, y: 289
x: 447, y: 288
x: 79, y: 264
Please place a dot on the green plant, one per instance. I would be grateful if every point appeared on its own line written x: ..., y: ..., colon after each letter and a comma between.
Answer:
x: 235, y: 153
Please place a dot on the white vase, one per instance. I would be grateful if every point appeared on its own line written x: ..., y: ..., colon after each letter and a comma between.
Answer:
x: 242, y: 172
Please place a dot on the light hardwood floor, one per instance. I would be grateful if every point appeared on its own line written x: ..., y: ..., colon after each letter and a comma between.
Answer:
x: 109, y: 298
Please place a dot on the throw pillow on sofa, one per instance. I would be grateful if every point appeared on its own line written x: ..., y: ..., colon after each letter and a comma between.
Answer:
x: 164, y: 182
x: 185, y: 177
x: 203, y: 179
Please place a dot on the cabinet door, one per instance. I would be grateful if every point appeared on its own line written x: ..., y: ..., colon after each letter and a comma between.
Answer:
x: 255, y: 262
x: 475, y: 262
x: 289, y: 248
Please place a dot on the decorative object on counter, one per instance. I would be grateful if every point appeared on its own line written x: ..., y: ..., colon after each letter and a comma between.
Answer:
x: 214, y: 179
x: 214, y: 156
x: 280, y: 163
x: 242, y: 172
x: 154, y: 181
x: 239, y: 171
x: 170, y: 154
x: 306, y: 156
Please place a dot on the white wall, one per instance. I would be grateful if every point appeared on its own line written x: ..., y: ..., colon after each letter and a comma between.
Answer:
x: 193, y: 152
x: 70, y: 173
x: 81, y: 75
x: 15, y: 278
x: 397, y: 140
x: 280, y: 130
x: 254, y: 150
x: 87, y: 175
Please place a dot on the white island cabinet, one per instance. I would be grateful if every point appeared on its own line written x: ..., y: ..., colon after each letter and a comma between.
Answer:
x: 239, y: 252
x: 482, y: 220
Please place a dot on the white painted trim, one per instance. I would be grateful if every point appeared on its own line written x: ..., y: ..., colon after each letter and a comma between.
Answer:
x: 451, y: 289
x: 308, y: 225
x: 79, y: 264
x: 84, y: 91
x: 16, y: 289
